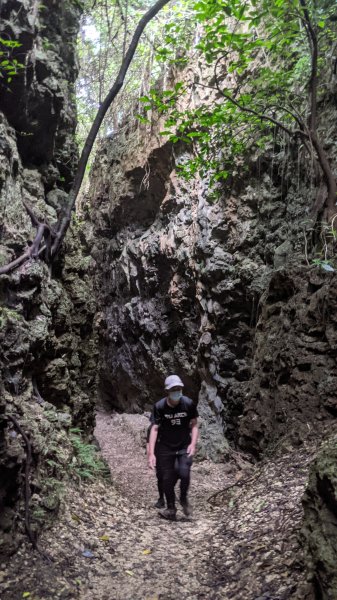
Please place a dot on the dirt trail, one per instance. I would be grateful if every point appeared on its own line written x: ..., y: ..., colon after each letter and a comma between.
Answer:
x: 110, y: 543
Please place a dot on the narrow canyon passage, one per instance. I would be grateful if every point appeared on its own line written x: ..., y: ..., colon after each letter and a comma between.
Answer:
x: 110, y: 544
x: 168, y: 205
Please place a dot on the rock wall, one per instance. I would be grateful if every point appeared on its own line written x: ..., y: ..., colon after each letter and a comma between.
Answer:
x: 48, y: 358
x: 320, y: 522
x: 223, y: 293
x: 293, y: 376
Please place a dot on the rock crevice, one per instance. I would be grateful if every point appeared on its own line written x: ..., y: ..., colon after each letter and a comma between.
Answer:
x: 48, y: 358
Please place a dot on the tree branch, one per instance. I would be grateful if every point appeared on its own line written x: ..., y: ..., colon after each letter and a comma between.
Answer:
x: 312, y: 121
x: 308, y: 132
x: 27, y: 472
x: 34, y: 219
x: 261, y: 116
x: 329, y: 176
x: 65, y: 221
x: 314, y: 58
x: 44, y: 230
x: 15, y: 263
x: 34, y: 249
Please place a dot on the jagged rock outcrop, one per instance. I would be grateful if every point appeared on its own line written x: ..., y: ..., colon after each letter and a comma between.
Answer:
x: 48, y: 358
x: 156, y: 244
x: 293, y: 379
x: 39, y: 102
x: 225, y: 293
x: 320, y: 522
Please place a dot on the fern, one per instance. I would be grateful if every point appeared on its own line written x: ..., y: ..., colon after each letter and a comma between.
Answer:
x: 88, y: 462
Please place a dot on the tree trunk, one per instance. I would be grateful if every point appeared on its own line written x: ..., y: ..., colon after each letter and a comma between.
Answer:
x: 65, y: 220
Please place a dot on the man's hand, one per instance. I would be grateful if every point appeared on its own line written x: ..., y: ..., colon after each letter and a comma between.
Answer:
x: 191, y: 450
x: 152, y: 461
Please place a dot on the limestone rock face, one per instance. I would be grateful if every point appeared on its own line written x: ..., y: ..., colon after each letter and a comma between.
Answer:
x: 48, y: 353
x: 293, y: 377
x: 320, y: 521
x: 43, y: 113
x: 222, y: 293
x: 171, y: 298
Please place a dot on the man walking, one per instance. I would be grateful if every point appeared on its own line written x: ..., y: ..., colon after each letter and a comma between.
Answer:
x: 174, y: 434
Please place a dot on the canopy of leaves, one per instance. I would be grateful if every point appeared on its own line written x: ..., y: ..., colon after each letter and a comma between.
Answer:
x: 106, y: 29
x: 9, y: 65
x: 265, y: 76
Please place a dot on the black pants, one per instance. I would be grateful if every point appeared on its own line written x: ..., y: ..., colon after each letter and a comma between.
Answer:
x: 174, y: 465
x: 160, y: 482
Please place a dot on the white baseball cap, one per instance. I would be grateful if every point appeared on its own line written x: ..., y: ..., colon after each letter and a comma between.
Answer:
x: 173, y: 381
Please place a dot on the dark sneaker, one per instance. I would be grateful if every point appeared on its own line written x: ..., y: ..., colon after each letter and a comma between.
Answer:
x: 187, y: 508
x: 160, y: 503
x: 168, y: 513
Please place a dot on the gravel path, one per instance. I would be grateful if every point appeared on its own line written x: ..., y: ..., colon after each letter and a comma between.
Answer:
x: 110, y: 544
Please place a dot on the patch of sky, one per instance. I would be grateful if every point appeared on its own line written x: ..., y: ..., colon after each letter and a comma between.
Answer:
x: 91, y: 32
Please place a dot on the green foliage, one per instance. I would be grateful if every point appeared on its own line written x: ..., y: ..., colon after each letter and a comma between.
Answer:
x: 326, y: 265
x: 80, y: 4
x: 323, y: 237
x: 106, y: 31
x: 77, y: 222
x: 87, y: 462
x: 177, y: 36
x: 47, y: 44
x: 39, y: 514
x: 7, y: 316
x: 261, y: 61
x: 9, y: 66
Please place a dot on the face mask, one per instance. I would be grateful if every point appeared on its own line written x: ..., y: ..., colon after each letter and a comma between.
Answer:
x: 175, y: 396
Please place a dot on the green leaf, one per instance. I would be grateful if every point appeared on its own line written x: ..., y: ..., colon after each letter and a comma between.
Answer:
x: 142, y: 119
x: 178, y: 86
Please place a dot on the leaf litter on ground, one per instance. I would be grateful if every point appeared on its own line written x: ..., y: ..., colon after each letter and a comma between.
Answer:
x: 241, y: 544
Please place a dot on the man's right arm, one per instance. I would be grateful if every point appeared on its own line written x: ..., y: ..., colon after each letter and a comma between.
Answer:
x: 148, y: 440
x: 152, y: 443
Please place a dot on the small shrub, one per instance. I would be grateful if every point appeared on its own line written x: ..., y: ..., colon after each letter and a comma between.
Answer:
x: 87, y: 462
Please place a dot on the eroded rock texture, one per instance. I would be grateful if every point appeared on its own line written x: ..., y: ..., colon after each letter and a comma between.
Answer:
x: 39, y: 102
x: 220, y: 293
x: 48, y: 361
x: 320, y: 521
x: 293, y: 378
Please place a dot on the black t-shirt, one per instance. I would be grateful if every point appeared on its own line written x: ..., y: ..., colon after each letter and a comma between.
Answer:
x: 174, y: 422
x: 149, y: 428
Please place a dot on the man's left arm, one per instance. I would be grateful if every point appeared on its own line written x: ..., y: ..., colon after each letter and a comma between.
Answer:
x: 194, y: 437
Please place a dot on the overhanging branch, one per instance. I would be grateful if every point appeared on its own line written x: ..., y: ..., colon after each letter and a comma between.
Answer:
x: 65, y: 221
x: 259, y: 115
x: 58, y: 234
